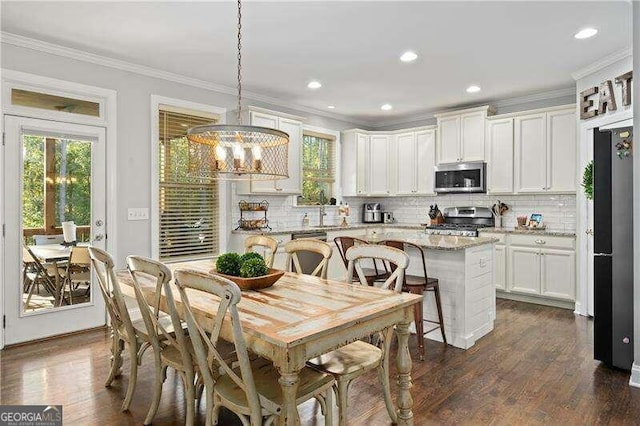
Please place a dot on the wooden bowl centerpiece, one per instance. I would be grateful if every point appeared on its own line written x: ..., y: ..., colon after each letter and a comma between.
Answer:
x: 248, y: 271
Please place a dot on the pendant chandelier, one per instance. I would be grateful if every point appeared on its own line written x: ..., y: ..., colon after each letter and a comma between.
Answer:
x: 238, y: 152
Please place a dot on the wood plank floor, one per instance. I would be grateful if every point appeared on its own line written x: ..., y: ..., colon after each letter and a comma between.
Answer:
x: 536, y: 367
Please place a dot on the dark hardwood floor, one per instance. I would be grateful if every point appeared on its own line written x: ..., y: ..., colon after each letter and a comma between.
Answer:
x: 536, y: 367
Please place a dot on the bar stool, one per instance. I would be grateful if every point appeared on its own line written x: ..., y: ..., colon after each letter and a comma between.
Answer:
x: 417, y: 284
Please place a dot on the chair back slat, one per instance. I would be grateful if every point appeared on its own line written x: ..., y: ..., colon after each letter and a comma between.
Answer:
x: 205, y: 338
x: 312, y: 245
x: 262, y: 241
x: 393, y: 256
x: 103, y: 266
x: 407, y: 246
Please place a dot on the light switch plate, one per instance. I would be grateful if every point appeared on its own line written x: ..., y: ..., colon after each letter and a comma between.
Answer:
x: 141, y: 213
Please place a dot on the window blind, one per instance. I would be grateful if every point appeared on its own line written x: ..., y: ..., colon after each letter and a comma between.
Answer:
x: 189, y: 207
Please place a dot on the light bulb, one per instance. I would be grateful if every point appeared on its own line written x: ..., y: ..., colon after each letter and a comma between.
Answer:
x: 221, y: 153
x: 257, y: 152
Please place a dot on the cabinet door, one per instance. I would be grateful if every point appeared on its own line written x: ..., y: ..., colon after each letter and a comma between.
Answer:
x: 500, y: 267
x: 472, y: 136
x: 531, y: 153
x: 524, y: 270
x: 449, y: 140
x: 263, y: 120
x: 425, y: 161
x: 405, y: 163
x: 379, y: 165
x: 362, y: 161
x: 292, y: 185
x: 500, y: 156
x: 558, y: 274
x: 561, y: 151
x: 348, y: 164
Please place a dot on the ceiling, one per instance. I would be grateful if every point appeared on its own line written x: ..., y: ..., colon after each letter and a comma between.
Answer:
x: 353, y: 48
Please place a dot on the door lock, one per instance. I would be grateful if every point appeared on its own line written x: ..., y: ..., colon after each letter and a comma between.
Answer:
x: 99, y: 222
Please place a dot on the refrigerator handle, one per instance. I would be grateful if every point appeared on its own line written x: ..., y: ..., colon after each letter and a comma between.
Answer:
x: 603, y: 255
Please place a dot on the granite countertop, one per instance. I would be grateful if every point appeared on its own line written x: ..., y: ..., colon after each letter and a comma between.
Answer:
x: 432, y: 242
x: 548, y: 232
x: 327, y: 228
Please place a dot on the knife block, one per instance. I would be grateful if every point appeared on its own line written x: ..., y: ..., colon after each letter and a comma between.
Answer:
x: 439, y: 219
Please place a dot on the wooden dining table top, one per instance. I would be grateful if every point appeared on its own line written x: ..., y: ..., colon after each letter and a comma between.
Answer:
x: 296, y: 309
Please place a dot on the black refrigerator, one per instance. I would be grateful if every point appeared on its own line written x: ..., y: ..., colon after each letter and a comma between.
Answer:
x: 613, y: 247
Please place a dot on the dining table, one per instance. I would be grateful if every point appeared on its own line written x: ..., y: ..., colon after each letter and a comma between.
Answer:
x: 301, y: 317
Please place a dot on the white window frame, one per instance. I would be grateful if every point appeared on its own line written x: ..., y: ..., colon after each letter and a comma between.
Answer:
x: 223, y: 187
x: 337, y: 188
x: 106, y: 98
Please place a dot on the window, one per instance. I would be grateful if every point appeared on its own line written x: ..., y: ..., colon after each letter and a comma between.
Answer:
x: 318, y: 168
x: 55, y: 103
x: 189, y: 207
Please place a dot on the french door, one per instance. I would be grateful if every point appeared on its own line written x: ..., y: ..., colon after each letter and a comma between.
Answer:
x: 54, y: 172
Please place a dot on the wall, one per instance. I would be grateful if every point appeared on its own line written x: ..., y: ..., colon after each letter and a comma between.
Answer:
x: 134, y: 127
x: 635, y: 372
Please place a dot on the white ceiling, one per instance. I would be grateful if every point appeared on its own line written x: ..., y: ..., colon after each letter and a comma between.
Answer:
x: 507, y: 48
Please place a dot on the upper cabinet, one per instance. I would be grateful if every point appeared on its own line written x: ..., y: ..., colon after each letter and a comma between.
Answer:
x: 461, y: 135
x: 292, y: 185
x: 500, y: 156
x: 545, y: 151
x: 383, y: 164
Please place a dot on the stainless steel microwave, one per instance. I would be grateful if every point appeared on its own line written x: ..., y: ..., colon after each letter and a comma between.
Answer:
x: 461, y: 178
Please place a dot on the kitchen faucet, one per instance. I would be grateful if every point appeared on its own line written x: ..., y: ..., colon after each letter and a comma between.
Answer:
x: 323, y: 213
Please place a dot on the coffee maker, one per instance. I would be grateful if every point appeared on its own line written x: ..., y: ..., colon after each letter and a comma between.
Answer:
x: 372, y: 213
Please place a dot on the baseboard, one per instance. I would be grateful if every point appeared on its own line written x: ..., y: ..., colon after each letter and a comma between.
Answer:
x: 634, y: 380
x: 564, y: 304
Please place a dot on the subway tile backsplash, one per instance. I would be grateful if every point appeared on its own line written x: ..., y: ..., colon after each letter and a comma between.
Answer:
x: 559, y: 211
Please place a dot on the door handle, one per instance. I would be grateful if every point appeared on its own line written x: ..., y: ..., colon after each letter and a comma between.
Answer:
x: 540, y: 242
x: 589, y: 232
x: 98, y: 237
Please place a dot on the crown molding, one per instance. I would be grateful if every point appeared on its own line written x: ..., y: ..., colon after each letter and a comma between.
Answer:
x: 602, y: 63
x: 80, y: 55
x: 517, y: 100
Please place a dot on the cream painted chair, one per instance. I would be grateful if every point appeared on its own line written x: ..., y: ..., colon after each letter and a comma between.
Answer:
x: 311, y: 245
x: 248, y: 387
x: 353, y: 360
x: 269, y: 243
x: 171, y: 345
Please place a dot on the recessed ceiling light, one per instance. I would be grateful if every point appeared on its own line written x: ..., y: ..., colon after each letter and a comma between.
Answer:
x: 586, y: 33
x: 473, y: 89
x: 386, y: 107
x: 409, y: 56
x: 314, y: 84
x: 331, y: 107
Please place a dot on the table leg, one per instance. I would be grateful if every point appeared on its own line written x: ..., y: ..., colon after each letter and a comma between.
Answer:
x: 403, y: 364
x: 289, y: 381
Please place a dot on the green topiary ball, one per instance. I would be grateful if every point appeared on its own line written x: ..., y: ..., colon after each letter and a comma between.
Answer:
x: 253, y: 268
x: 229, y: 264
x: 250, y: 255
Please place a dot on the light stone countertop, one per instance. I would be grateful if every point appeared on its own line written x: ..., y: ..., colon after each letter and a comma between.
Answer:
x: 328, y: 228
x: 548, y: 232
x: 432, y: 242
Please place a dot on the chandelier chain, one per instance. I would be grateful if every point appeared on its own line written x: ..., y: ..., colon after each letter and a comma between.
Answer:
x: 239, y: 61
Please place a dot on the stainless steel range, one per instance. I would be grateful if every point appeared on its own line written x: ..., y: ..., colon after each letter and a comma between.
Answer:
x: 462, y: 221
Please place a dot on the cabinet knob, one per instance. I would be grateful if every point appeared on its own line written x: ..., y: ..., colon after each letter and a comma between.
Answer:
x: 278, y: 189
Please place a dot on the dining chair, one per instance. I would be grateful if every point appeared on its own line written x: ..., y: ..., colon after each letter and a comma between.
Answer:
x: 77, y: 271
x: 355, y: 359
x: 170, y: 342
x: 269, y: 243
x: 123, y: 331
x: 307, y: 246
x: 418, y: 284
x: 48, y: 239
x: 34, y: 274
x: 373, y: 274
x: 249, y: 386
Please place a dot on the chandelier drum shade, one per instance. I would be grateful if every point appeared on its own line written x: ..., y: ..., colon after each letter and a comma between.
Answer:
x: 237, y: 152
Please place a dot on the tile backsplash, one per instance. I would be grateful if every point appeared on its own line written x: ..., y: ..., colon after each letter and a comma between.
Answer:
x: 558, y: 211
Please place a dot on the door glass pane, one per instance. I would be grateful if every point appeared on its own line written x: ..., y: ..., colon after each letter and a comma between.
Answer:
x: 56, y: 198
x: 54, y: 103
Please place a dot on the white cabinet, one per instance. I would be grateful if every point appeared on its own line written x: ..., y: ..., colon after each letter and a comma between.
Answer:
x: 539, y: 267
x: 461, y: 135
x: 413, y: 161
x: 545, y: 152
x: 378, y: 171
x: 500, y: 156
x: 293, y: 184
x: 558, y: 274
x: 524, y: 264
x: 362, y: 163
